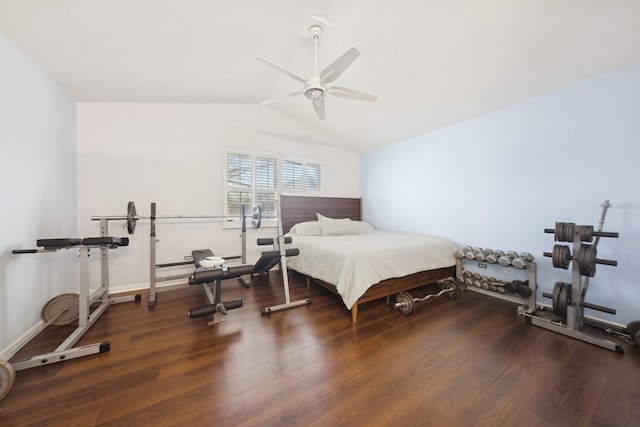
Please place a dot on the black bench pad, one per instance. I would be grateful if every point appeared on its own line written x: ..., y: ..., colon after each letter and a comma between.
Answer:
x: 104, y: 241
x: 58, y: 243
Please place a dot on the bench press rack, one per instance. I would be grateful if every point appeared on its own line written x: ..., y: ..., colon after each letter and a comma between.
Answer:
x: 68, y: 308
x: 153, y: 267
x: 131, y: 219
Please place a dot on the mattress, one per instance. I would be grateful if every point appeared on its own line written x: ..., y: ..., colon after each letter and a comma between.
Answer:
x: 355, y: 262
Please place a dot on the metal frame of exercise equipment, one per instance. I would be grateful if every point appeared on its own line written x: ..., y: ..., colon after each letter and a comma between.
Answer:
x: 573, y: 320
x: 256, y: 218
x: 153, y: 267
x: 86, y: 317
x: 210, y: 279
x: 131, y: 219
x: 283, y: 267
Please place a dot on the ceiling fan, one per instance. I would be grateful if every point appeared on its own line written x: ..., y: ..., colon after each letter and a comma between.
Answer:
x: 315, y: 87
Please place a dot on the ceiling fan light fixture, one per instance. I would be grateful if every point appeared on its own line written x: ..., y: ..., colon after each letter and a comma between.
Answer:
x: 314, y: 93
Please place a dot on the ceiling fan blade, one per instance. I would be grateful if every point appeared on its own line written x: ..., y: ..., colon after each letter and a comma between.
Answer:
x: 345, y: 92
x: 318, y: 105
x: 322, y: 20
x: 282, y: 69
x: 337, y: 67
x: 281, y: 97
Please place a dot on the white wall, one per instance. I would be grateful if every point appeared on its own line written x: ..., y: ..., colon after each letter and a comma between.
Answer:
x: 37, y: 188
x: 172, y: 154
x: 497, y: 181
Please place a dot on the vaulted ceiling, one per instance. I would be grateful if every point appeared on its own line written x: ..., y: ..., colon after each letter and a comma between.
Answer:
x: 432, y: 63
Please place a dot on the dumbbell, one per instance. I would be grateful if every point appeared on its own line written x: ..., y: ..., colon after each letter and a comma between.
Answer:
x: 476, y: 280
x: 507, y: 258
x: 494, y: 257
x: 524, y: 290
x: 522, y: 260
x: 471, y: 255
x: 482, y: 254
x: 511, y: 287
x: 467, y: 278
x: 460, y: 253
x: 518, y: 287
x: 463, y: 276
x: 492, y: 283
x: 481, y: 283
x: 499, y: 284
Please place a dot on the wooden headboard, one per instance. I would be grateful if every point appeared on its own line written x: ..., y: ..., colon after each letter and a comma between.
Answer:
x: 295, y: 209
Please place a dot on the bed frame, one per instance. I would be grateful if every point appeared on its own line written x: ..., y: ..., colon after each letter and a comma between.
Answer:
x: 295, y: 209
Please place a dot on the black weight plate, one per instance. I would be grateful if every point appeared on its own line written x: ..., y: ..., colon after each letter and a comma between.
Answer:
x: 565, y: 299
x: 556, y: 298
x: 132, y: 217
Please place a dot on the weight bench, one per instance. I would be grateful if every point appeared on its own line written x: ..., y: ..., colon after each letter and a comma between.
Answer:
x: 269, y: 259
x: 207, y: 276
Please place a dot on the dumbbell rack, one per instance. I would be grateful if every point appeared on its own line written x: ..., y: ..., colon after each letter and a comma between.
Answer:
x: 530, y: 267
x: 567, y: 317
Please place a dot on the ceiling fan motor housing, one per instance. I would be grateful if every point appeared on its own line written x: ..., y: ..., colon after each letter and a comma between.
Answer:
x: 313, y: 90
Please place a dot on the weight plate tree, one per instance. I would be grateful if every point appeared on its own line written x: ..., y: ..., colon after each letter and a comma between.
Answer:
x: 568, y: 299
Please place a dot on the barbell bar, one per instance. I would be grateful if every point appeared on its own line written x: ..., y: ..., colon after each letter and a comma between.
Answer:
x: 132, y: 217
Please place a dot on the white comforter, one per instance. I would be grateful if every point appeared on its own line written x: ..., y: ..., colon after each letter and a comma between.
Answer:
x: 354, y: 262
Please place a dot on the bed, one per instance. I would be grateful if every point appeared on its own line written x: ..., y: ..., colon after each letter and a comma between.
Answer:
x: 324, y: 259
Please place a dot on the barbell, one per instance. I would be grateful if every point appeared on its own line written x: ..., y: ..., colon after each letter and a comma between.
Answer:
x: 132, y: 217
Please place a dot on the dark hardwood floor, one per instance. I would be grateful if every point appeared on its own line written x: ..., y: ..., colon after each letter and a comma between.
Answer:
x: 451, y: 363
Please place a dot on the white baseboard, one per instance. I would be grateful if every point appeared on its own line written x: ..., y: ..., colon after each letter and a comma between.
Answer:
x: 9, y: 351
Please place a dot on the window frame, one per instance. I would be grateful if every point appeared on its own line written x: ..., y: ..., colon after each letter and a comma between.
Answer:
x: 303, y: 190
x: 269, y: 220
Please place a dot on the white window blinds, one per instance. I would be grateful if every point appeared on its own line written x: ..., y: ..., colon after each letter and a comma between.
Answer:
x: 256, y: 178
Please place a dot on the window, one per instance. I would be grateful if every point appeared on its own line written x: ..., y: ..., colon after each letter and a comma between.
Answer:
x: 255, y: 179
x: 313, y: 178
x: 266, y: 185
x: 239, y: 183
x: 302, y: 177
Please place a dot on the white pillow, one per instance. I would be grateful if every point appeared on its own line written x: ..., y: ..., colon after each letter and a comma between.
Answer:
x: 309, y: 228
x: 332, y: 227
x: 360, y: 227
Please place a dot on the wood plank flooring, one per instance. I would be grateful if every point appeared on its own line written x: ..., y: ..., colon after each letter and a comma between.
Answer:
x: 470, y: 362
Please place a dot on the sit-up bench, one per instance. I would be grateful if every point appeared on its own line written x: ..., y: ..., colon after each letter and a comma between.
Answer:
x: 85, y: 307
